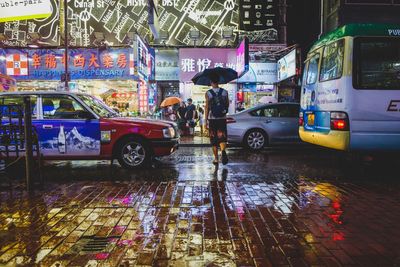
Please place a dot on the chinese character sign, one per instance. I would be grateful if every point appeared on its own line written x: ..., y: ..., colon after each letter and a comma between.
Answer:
x: 143, y: 97
x: 194, y: 60
x: 167, y: 68
x: 143, y: 58
x: 49, y: 64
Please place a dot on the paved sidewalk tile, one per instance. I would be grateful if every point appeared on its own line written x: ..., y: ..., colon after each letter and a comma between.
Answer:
x: 293, y: 222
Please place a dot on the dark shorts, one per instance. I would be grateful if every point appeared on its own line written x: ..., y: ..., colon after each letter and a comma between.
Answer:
x: 217, y: 131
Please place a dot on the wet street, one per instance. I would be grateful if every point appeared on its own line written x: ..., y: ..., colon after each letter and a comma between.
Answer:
x: 284, y: 206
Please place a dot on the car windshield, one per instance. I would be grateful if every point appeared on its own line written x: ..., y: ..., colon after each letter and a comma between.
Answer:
x: 98, y: 106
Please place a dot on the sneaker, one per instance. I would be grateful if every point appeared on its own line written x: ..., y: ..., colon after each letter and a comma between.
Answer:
x: 224, y: 157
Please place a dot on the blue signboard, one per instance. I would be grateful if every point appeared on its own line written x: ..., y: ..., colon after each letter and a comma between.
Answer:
x: 249, y: 87
x: 48, y: 64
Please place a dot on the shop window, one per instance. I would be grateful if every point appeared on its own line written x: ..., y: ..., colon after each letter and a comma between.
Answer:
x: 312, y: 72
x: 62, y: 107
x: 17, y: 100
x: 332, y: 61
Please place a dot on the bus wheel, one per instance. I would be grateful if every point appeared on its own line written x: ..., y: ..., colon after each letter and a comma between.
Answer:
x: 255, y: 139
x: 133, y: 153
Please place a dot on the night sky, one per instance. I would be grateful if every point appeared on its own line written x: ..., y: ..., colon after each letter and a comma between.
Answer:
x: 303, y: 23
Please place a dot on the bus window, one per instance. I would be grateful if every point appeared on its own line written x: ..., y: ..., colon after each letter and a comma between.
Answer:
x: 312, y: 70
x: 377, y: 63
x: 332, y: 61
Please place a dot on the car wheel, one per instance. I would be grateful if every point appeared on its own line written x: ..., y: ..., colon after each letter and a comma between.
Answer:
x: 133, y: 153
x: 255, y: 139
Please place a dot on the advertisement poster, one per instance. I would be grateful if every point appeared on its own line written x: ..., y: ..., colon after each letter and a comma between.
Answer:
x: 260, y: 73
x: 48, y: 64
x: 68, y: 137
x: 287, y: 66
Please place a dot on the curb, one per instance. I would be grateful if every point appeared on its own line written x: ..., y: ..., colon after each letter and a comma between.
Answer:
x: 194, y: 145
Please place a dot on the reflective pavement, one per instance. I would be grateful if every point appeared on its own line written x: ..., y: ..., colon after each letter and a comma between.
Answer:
x: 290, y: 206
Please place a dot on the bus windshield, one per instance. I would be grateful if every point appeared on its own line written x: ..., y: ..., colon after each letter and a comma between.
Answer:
x: 377, y: 63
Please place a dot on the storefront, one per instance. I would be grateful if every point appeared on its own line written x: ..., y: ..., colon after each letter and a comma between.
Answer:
x: 257, y: 85
x: 194, y: 60
x: 167, y: 73
x: 110, y: 74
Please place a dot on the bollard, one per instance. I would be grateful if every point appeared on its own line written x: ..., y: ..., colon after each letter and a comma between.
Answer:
x: 28, y: 141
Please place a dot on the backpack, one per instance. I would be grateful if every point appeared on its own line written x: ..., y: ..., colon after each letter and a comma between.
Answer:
x: 217, y: 104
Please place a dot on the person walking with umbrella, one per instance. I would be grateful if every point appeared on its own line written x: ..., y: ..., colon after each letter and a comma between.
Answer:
x: 217, y: 104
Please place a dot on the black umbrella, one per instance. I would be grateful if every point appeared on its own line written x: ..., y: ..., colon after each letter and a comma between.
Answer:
x: 225, y: 76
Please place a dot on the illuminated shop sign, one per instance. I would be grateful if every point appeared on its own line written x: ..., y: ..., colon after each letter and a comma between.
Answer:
x: 194, y: 60
x: 12, y: 10
x: 242, y: 57
x: 167, y: 68
x: 48, y: 64
x: 260, y: 19
x: 145, y: 60
x: 143, y: 97
x: 260, y: 73
x: 287, y: 66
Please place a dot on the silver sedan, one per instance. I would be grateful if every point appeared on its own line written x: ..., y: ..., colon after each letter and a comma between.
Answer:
x: 263, y: 125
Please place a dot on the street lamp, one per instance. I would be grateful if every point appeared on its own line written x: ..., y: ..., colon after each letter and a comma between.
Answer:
x: 131, y: 38
x: 99, y: 38
x: 35, y: 39
x: 227, y: 35
x: 164, y: 36
x: 194, y: 35
x: 3, y: 38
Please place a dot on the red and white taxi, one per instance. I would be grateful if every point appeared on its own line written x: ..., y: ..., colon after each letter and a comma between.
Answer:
x: 79, y: 126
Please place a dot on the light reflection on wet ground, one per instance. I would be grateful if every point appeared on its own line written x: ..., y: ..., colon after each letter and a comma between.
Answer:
x: 281, y: 207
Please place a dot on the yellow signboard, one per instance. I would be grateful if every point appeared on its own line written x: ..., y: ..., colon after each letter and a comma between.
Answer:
x: 12, y: 10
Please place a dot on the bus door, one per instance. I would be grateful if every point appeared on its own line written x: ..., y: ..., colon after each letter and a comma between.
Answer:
x: 308, y: 103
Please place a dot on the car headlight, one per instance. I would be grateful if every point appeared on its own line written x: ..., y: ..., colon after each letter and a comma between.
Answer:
x: 169, y: 132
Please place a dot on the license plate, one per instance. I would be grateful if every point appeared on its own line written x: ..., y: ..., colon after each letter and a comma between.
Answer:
x: 310, y: 119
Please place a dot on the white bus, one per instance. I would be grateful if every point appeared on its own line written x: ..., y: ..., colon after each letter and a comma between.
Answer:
x: 350, y: 97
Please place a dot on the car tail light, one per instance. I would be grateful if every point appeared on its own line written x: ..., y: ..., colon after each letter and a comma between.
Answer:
x: 230, y: 120
x: 339, y: 121
x: 301, y: 119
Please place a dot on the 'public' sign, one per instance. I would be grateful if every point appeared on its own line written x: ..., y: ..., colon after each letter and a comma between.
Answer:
x: 11, y: 10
